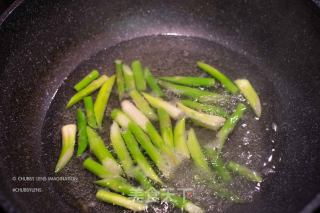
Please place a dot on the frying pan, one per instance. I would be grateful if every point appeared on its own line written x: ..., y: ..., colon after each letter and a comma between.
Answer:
x: 46, y: 46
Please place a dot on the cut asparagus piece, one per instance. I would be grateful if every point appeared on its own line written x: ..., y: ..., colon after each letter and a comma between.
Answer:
x: 180, y: 202
x: 208, y: 121
x: 190, y: 81
x: 93, y: 86
x: 99, y: 149
x: 97, y: 169
x: 154, y: 154
x: 229, y: 125
x: 224, y: 80
x: 180, y: 143
x: 101, y: 102
x: 165, y: 127
x: 143, y: 139
x: 142, y: 179
x: 152, y: 83
x: 93, y: 75
x: 119, y: 200
x: 156, y: 102
x: 121, y: 149
x: 217, y: 164
x: 143, y: 105
x: 88, y: 105
x: 134, y: 114
x: 122, y: 119
x: 128, y: 78
x: 206, y: 108
x: 120, y: 79
x: 82, y: 132
x: 162, y: 194
x: 197, y: 94
x: 138, y: 75
x: 68, y: 141
x: 120, y: 186
x: 139, y: 157
x: 196, y: 151
x: 139, y: 118
x: 244, y: 171
x: 250, y: 94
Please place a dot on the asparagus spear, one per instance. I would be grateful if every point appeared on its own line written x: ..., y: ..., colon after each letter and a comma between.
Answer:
x: 120, y: 185
x: 180, y: 202
x: 206, y: 108
x: 143, y: 105
x: 93, y: 86
x: 82, y: 132
x: 138, y: 75
x: 128, y: 78
x: 229, y: 125
x: 144, y: 141
x: 139, y: 157
x: 156, y: 102
x: 154, y: 154
x: 196, y: 151
x: 251, y: 95
x: 165, y: 127
x: 93, y: 75
x: 134, y: 114
x: 68, y: 141
x: 120, y: 200
x: 244, y: 171
x: 209, y: 121
x: 177, y: 201
x: 120, y: 148
x: 99, y: 149
x: 122, y: 119
x: 101, y: 102
x: 139, y: 118
x: 152, y: 83
x: 88, y: 105
x: 190, y: 81
x: 151, y: 194
x: 217, y: 164
x: 197, y: 94
x: 180, y: 143
x: 120, y: 79
x: 142, y: 179
x: 224, y: 80
x: 97, y: 169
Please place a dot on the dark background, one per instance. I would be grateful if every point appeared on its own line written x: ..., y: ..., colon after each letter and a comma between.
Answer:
x: 6, y: 3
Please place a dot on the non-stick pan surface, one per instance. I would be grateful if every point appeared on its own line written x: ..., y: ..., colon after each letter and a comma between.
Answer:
x: 46, y: 46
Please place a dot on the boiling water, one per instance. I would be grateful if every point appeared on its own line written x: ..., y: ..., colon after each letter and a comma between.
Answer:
x: 194, y: 185
x: 253, y: 142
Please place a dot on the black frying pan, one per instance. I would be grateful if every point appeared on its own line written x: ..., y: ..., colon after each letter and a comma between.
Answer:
x: 46, y: 46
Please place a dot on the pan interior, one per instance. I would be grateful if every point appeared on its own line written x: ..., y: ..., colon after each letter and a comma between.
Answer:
x: 252, y: 142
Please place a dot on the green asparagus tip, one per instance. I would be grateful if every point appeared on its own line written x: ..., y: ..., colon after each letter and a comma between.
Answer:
x: 93, y: 86
x: 94, y: 74
x: 244, y: 171
x: 224, y: 80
